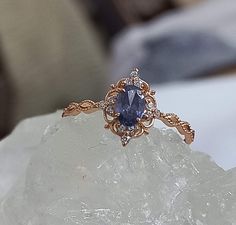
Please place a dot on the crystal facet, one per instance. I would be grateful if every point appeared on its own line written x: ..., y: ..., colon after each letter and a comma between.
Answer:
x: 69, y: 173
x: 130, y: 104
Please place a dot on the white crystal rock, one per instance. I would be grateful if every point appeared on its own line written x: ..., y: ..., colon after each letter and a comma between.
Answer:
x: 80, y: 174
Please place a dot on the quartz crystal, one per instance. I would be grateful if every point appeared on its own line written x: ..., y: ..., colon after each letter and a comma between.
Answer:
x: 80, y: 174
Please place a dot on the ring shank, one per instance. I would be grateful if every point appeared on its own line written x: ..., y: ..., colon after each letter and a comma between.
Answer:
x: 169, y: 119
x: 183, y: 127
x: 86, y: 106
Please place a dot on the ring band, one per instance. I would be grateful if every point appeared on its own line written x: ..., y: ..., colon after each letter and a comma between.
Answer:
x: 129, y: 110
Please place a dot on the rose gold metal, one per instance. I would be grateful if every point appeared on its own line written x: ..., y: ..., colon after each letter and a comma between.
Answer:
x: 86, y: 106
x: 183, y: 127
x: 143, y: 124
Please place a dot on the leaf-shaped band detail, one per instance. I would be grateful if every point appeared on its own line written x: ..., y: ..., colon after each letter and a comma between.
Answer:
x: 86, y: 106
x: 184, y: 128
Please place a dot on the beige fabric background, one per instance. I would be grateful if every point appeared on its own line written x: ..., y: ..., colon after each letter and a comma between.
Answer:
x: 52, y: 55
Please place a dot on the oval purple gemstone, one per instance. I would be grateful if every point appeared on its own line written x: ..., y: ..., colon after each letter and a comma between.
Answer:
x: 130, y: 104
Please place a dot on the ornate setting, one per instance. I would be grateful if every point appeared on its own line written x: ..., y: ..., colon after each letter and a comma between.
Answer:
x: 129, y: 110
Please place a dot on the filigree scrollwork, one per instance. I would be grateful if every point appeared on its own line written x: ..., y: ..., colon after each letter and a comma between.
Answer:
x: 184, y: 128
x: 143, y: 123
x: 74, y: 108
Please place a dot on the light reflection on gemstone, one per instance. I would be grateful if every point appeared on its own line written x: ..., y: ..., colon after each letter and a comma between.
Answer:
x: 130, y: 104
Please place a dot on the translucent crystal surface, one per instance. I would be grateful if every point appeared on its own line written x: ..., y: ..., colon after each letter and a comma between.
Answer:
x: 80, y: 174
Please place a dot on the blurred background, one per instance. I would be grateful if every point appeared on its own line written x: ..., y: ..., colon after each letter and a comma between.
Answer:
x: 53, y: 52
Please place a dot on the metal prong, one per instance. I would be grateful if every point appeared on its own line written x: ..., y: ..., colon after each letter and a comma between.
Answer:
x: 106, y: 126
x: 64, y: 114
x: 136, y: 69
x: 153, y: 92
x: 125, y: 140
x: 134, y: 72
x: 145, y: 117
x: 117, y: 114
x: 138, y: 119
x: 143, y: 91
x: 113, y: 86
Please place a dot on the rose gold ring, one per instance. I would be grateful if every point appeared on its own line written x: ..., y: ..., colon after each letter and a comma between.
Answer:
x: 129, y: 110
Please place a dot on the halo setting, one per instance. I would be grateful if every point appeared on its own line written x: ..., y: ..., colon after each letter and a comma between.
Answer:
x: 129, y: 110
x: 133, y: 109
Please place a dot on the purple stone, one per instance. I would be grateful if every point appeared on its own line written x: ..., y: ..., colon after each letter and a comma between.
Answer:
x: 130, y: 104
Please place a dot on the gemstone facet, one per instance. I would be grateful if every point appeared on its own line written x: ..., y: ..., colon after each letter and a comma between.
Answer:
x: 130, y: 105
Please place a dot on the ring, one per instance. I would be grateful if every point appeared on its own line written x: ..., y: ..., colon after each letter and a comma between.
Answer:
x: 129, y: 110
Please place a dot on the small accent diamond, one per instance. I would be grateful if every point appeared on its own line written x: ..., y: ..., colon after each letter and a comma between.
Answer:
x: 134, y: 73
x: 137, y: 82
x: 150, y: 105
x: 112, y: 99
x: 125, y: 139
x: 131, y: 128
x: 157, y: 113
x: 122, y: 128
x: 129, y: 81
x: 101, y: 104
x: 110, y: 109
